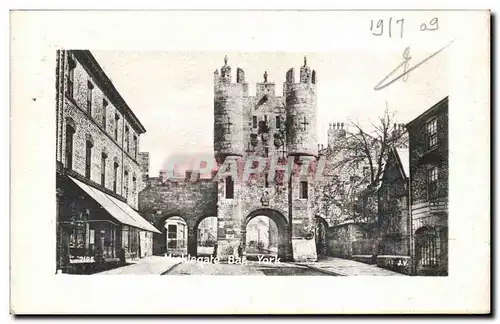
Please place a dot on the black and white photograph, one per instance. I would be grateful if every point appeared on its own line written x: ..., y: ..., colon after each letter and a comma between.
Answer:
x: 273, y: 153
x: 266, y: 194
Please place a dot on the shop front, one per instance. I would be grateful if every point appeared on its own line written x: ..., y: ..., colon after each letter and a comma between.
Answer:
x: 97, y: 231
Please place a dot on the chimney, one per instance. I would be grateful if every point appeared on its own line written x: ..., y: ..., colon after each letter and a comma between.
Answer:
x: 163, y: 175
x: 192, y: 175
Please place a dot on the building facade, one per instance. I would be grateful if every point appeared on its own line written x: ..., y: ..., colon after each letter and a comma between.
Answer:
x: 98, y: 175
x: 429, y: 190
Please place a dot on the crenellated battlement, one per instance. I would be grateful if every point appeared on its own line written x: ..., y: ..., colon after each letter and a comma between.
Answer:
x: 191, y: 180
x: 306, y: 75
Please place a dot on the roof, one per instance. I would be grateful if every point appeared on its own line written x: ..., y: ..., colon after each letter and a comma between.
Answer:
x: 106, y: 85
x: 404, y: 159
x: 116, y: 208
x: 429, y: 111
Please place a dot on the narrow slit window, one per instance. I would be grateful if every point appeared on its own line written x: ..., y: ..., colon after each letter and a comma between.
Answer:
x: 303, y: 190
x: 115, y: 176
x: 103, y: 169
x: 117, y: 118
x: 229, y: 188
x: 90, y: 89
x: 70, y: 131
x: 88, y: 158
x: 104, y: 112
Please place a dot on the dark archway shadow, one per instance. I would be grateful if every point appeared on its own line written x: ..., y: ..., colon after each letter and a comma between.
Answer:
x: 284, y: 243
x: 321, y: 237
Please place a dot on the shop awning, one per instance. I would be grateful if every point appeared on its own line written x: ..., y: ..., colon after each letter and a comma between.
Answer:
x: 118, y: 209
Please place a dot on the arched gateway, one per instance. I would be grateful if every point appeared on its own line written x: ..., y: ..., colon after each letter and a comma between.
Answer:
x: 284, y: 239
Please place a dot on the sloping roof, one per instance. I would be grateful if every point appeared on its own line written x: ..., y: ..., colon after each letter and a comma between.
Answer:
x: 118, y: 209
x: 404, y: 159
x: 441, y: 104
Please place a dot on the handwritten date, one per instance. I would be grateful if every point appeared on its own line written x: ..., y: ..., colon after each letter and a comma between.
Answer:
x: 395, y: 27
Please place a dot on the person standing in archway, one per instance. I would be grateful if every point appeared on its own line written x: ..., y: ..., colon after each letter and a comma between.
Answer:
x: 240, y: 251
x: 215, y: 249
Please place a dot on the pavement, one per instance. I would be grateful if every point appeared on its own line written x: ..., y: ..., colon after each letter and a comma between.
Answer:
x: 163, y: 265
x: 152, y: 265
x: 210, y: 269
x: 249, y: 268
x: 345, y: 267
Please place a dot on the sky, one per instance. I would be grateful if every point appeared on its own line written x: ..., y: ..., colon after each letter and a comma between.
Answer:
x: 172, y: 92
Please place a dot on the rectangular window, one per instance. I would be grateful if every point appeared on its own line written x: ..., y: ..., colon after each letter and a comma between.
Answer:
x: 432, y: 182
x: 229, y: 188
x: 88, y: 158
x: 104, y: 112
x: 134, y: 188
x: 125, y: 185
x: 254, y: 121
x: 78, y: 240
x: 90, y: 89
x: 115, y: 176
x: 125, y: 238
x: 71, y: 78
x: 431, y: 133
x: 126, y: 139
x: 70, y: 131
x: 103, y: 169
x: 266, y: 181
x: 303, y: 190
x: 135, y: 147
x: 117, y: 118
x: 278, y: 122
x: 426, y: 249
x: 172, y: 236
x: 266, y: 151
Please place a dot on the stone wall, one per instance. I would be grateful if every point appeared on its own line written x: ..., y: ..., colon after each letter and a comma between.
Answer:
x: 192, y: 201
x: 346, y: 240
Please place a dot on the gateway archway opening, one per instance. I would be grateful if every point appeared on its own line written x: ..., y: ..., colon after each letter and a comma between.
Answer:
x: 261, y: 237
x: 266, y: 235
x: 206, y: 236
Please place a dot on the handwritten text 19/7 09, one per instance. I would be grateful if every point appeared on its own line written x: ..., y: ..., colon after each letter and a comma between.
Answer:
x: 385, y: 27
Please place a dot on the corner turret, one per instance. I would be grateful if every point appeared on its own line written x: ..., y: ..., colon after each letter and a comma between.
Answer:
x: 300, y: 101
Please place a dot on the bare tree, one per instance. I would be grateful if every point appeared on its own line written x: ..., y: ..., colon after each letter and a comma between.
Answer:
x: 355, y: 164
x: 370, y: 148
